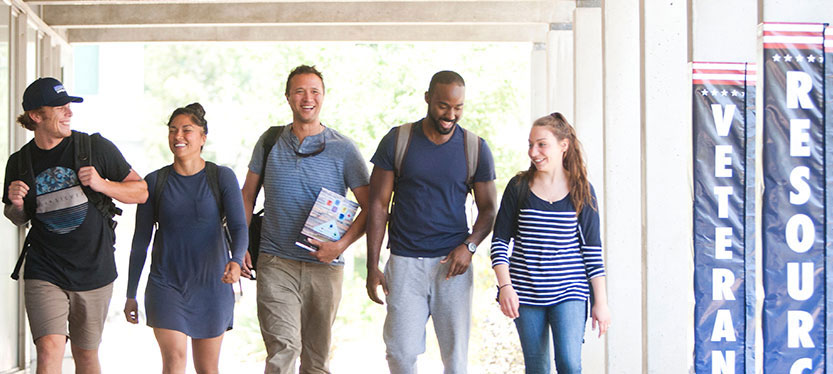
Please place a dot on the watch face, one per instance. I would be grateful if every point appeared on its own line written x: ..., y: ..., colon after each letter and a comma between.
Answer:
x: 472, y: 247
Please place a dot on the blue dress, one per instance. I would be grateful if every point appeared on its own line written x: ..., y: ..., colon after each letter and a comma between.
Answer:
x: 184, y: 289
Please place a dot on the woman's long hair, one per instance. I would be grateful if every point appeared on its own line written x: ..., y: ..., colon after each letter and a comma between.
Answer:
x: 573, y: 162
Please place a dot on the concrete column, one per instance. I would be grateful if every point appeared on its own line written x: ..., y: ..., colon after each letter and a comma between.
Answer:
x: 667, y: 169
x: 56, y: 60
x: 18, y: 76
x: 560, y: 70
x: 589, y: 123
x: 715, y: 40
x: 588, y: 118
x: 796, y: 11
x: 46, y: 57
x: 538, y: 81
x: 67, y: 65
x: 624, y: 220
x: 18, y: 135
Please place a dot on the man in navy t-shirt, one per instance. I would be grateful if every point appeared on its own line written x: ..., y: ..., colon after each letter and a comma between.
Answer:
x: 428, y: 273
x: 70, y: 268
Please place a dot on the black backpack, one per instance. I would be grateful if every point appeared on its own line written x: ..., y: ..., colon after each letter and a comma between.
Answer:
x: 82, y: 148
x: 270, y: 138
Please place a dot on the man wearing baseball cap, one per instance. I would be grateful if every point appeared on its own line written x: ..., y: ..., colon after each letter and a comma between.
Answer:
x: 63, y: 182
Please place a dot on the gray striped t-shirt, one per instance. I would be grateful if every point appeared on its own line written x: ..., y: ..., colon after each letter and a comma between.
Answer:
x: 292, y: 184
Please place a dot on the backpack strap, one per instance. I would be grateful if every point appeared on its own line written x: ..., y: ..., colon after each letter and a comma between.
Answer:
x: 83, y: 149
x: 403, y: 140
x: 83, y: 157
x: 161, y: 182
x: 213, y: 177
x: 270, y: 138
x: 26, y: 244
x: 27, y: 175
x: 471, y: 143
x: 212, y: 174
x: 523, y: 193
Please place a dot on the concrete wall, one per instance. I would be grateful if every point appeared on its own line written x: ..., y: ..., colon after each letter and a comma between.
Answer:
x: 622, y: 75
x: 643, y: 153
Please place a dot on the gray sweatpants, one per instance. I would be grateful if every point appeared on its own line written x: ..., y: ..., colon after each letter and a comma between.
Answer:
x: 417, y: 289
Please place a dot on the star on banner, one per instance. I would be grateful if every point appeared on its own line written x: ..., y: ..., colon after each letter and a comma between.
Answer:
x: 811, y: 58
x: 788, y: 58
x: 735, y: 93
x: 724, y: 92
x: 704, y: 92
x: 776, y: 57
x: 715, y: 92
x: 821, y: 59
x: 799, y: 58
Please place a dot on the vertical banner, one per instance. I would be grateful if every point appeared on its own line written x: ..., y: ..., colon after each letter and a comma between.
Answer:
x: 794, y: 318
x: 724, y: 197
x: 828, y: 167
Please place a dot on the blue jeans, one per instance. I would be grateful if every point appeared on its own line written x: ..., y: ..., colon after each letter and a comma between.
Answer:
x: 566, y: 320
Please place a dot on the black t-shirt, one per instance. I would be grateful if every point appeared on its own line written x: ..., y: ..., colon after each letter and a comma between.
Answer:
x: 71, y: 240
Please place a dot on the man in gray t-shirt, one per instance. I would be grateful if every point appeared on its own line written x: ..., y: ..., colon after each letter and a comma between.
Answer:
x: 298, y: 291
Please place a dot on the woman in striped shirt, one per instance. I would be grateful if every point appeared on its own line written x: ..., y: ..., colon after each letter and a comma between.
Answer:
x: 549, y: 213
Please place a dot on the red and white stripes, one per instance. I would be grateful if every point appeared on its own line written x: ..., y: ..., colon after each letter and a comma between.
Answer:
x: 793, y: 35
x: 732, y: 73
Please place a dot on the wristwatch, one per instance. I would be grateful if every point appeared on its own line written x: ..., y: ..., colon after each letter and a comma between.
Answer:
x: 471, y: 246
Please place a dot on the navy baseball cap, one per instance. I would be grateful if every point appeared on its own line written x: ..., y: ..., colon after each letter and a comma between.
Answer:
x: 46, y: 92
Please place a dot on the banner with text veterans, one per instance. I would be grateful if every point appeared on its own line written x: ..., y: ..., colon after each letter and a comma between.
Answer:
x: 793, y: 222
x: 724, y: 196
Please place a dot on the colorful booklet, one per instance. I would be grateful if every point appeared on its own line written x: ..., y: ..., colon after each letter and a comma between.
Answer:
x: 328, y: 220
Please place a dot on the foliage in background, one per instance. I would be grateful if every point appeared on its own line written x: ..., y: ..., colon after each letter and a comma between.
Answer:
x: 369, y: 88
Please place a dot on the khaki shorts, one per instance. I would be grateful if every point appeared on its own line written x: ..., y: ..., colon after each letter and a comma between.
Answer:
x: 50, y: 308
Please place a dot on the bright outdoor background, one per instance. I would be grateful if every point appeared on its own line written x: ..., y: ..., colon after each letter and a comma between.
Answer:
x: 131, y: 89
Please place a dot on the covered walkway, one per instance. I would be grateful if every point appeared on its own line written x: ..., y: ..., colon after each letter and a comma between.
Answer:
x: 619, y: 69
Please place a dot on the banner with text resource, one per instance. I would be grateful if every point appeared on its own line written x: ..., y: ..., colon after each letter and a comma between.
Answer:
x: 793, y: 236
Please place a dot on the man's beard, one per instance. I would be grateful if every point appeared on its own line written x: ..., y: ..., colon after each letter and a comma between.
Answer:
x: 439, y: 128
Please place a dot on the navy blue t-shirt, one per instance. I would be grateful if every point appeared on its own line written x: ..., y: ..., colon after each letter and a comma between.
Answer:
x: 429, y: 213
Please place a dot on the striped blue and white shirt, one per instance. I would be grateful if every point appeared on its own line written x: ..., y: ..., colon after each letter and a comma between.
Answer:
x: 553, y: 254
x: 292, y: 184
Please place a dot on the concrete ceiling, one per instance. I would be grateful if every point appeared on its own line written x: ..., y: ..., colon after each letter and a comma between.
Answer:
x: 93, y: 21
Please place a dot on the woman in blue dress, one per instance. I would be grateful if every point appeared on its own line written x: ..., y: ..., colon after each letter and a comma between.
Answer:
x: 550, y: 214
x: 189, y: 289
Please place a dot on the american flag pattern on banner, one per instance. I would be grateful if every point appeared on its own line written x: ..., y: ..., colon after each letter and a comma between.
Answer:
x: 793, y: 242
x: 793, y: 35
x: 723, y: 73
x: 723, y: 125
x: 828, y: 165
x: 828, y: 39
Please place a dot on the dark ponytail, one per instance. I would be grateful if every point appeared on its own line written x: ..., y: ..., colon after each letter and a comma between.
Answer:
x: 195, y: 111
